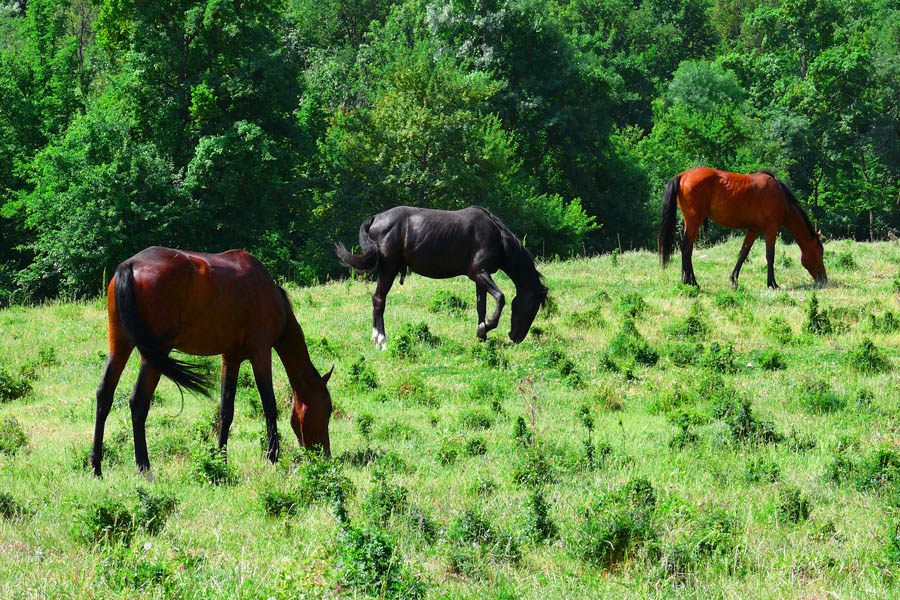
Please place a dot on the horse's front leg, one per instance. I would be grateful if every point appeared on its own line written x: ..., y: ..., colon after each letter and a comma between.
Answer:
x: 230, y: 370
x: 484, y: 280
x: 148, y: 378
x: 379, y: 298
x: 262, y: 373
x: 481, y: 309
x: 742, y: 256
x: 770, y: 259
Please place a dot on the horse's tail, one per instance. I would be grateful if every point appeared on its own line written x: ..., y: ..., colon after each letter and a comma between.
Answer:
x: 369, y: 260
x: 666, y: 242
x: 156, y: 352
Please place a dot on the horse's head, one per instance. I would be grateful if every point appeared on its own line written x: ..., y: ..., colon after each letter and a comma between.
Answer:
x: 524, y: 308
x: 311, y: 413
x: 812, y: 257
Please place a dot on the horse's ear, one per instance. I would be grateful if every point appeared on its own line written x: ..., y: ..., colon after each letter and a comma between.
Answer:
x: 327, y: 375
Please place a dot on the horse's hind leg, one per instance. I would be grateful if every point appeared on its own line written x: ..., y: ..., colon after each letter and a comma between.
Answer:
x: 148, y: 378
x: 385, y: 281
x: 115, y: 364
x: 262, y: 372
x: 484, y: 280
x: 687, y: 249
x: 230, y: 370
x: 481, y: 308
x: 742, y: 256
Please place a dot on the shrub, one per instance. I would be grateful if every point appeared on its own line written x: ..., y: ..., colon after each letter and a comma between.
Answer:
x: 106, y: 521
x: 845, y: 261
x: 476, y: 447
x: 770, y: 360
x: 761, y: 469
x: 482, y: 486
x: 534, y: 470
x: 361, y: 375
x: 538, y: 525
x: 817, y: 397
x: 211, y: 467
x: 592, y: 317
x: 617, y: 525
x: 443, y: 301
x: 691, y: 327
x: 556, y: 359
x: 743, y: 426
x: 629, y: 343
x: 122, y: 569
x: 412, y: 389
x: 817, y: 322
x: 669, y: 401
x: 778, y: 329
x: 448, y: 451
x: 631, y: 305
x: 725, y: 299
x: 385, y: 499
x: 410, y: 339
x: 319, y: 346
x: 798, y: 442
x: 10, y: 508
x: 866, y: 357
x: 320, y: 480
x: 489, y: 353
x: 12, y: 388
x: 476, y: 419
x: 886, y: 323
x: 364, y: 424
x: 369, y: 562
x: 472, y: 530
x: 878, y: 471
x: 685, y: 419
x: 12, y: 436
x: 687, y: 291
x: 522, y: 434
x: 793, y: 505
x: 487, y: 390
x: 684, y: 354
x: 153, y: 509
x: 278, y: 503
x: 718, y: 358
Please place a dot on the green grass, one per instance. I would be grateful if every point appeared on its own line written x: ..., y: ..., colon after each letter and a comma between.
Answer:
x: 462, y: 466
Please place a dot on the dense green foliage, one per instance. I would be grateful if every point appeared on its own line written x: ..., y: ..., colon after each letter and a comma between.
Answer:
x: 278, y: 126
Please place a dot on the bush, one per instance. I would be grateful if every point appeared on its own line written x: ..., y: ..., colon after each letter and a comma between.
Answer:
x: 817, y: 397
x: 629, y: 343
x: 482, y: 486
x: 448, y: 451
x: 886, y: 323
x: 476, y: 419
x: 817, y: 322
x: 556, y: 359
x: 10, y: 508
x: 12, y: 436
x: 369, y: 562
x: 410, y: 339
x: 472, y: 530
x: 538, y: 526
x: 12, y: 388
x: 487, y: 391
x: 631, y: 305
x: 443, y: 301
x: 845, y: 261
x: 489, y: 353
x: 617, y: 525
x: 743, y: 426
x: 718, y: 358
x: 866, y: 357
x: 534, y: 469
x: 361, y: 375
x: 691, y: 327
x: 385, y: 499
x: 107, y: 521
x: 762, y: 469
x: 725, y: 299
x: 153, y: 509
x: 211, y: 467
x: 684, y: 354
x: 411, y: 389
x: 778, y: 329
x: 476, y: 447
x: 793, y: 505
x: 770, y: 360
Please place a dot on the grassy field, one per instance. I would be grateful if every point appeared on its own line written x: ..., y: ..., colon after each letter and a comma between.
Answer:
x: 645, y: 441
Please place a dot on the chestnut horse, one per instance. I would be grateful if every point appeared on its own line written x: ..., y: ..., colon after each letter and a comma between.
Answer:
x: 441, y: 244
x: 203, y: 304
x: 760, y: 202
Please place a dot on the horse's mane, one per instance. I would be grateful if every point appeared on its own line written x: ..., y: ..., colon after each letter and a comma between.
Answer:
x: 796, y: 204
x: 512, y: 245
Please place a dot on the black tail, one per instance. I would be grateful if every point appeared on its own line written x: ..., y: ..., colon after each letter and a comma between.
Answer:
x: 369, y: 260
x: 666, y: 242
x: 185, y: 375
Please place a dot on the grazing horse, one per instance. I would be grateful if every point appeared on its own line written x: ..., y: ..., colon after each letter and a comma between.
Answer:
x: 760, y: 202
x: 441, y: 244
x: 203, y: 304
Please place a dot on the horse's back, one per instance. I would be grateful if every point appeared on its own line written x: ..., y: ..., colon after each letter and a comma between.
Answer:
x: 208, y: 303
x: 733, y: 200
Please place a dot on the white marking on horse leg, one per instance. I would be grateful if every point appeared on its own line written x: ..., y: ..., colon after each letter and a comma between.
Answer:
x: 148, y: 474
x: 381, y: 342
x: 374, y: 334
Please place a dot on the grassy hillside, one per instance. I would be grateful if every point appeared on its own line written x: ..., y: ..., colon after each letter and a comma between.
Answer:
x: 751, y: 459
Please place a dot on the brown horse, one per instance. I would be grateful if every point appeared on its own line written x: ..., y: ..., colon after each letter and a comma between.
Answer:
x: 204, y: 304
x: 760, y: 202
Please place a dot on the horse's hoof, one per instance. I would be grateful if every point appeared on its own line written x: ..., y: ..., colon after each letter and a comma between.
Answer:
x: 374, y: 334
x: 481, y: 332
x: 381, y: 342
x: 147, y: 473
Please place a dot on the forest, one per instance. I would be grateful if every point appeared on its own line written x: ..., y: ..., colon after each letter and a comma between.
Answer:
x: 278, y: 126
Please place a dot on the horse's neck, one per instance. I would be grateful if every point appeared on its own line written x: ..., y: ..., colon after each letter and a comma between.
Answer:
x: 522, y: 272
x: 295, y: 356
x: 796, y: 224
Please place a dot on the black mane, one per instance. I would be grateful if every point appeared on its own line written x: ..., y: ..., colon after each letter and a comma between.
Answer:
x: 796, y: 203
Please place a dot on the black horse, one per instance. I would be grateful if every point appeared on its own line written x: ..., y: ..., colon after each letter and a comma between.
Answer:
x: 441, y: 244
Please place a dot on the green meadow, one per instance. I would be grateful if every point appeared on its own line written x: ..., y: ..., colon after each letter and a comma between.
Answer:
x: 646, y: 440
